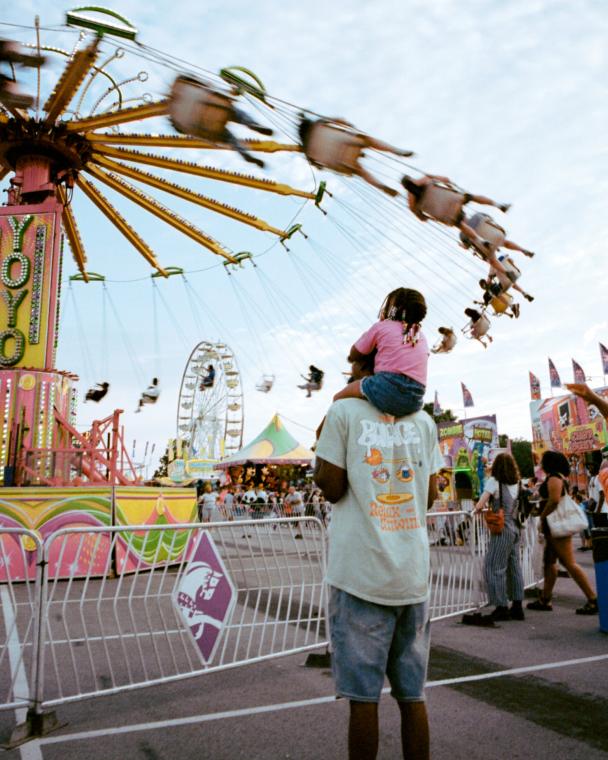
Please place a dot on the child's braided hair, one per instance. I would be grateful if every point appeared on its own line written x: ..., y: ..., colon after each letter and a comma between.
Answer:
x: 407, y: 306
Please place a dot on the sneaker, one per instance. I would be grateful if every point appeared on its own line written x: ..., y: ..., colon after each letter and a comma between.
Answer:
x: 515, y: 310
x: 298, y: 535
x: 589, y: 608
x: 540, y: 605
x: 529, y: 254
x: 505, y: 207
x: 500, y: 613
x: 517, y: 613
x: 528, y: 297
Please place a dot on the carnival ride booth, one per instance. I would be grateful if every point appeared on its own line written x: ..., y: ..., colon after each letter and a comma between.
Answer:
x: 567, y: 424
x: 467, y: 447
x: 272, y: 457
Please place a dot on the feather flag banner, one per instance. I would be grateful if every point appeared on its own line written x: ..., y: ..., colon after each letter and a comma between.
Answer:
x: 467, y: 399
x: 578, y: 372
x: 534, y: 387
x: 554, y: 376
x: 604, y: 355
x: 436, y: 405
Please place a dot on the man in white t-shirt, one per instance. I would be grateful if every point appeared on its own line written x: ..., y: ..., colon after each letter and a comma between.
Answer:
x: 380, y: 474
x: 208, y: 503
x: 294, y: 506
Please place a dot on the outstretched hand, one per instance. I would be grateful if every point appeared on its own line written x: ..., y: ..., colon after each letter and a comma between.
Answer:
x: 582, y: 390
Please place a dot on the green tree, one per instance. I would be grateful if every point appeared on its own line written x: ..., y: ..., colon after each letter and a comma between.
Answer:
x: 446, y: 415
x: 163, y: 464
x: 522, y: 453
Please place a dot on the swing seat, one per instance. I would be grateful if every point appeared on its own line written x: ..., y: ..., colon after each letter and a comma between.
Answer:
x: 443, y: 204
x: 510, y: 266
x: 329, y: 146
x: 489, y: 230
x: 502, y: 303
x: 445, y: 344
x: 481, y: 327
x: 265, y: 384
x: 197, y: 109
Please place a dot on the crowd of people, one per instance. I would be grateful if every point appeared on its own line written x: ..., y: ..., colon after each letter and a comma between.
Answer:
x: 301, y: 499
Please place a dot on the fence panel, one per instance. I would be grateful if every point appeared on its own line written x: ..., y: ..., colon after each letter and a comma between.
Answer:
x: 115, y: 630
x: 456, y: 563
x: 20, y: 557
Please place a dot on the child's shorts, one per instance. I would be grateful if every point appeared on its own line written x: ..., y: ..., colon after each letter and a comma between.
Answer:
x: 393, y: 393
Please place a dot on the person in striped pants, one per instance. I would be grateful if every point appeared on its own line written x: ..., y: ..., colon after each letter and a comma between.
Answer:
x: 503, y: 572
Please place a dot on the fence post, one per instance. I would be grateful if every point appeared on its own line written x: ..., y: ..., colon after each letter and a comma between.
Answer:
x: 37, y: 721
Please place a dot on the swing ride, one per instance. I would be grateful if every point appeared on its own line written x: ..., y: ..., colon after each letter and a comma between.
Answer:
x: 90, y: 133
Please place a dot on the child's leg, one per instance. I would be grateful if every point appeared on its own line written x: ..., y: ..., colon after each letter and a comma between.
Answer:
x: 370, y: 179
x: 515, y: 247
x: 352, y: 390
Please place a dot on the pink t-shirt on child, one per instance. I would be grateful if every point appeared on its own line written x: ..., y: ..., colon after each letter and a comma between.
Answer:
x: 393, y: 354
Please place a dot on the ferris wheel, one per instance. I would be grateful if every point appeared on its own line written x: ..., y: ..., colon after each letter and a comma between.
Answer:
x: 210, y: 407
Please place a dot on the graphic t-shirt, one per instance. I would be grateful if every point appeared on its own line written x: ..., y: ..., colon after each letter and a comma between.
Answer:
x: 378, y: 545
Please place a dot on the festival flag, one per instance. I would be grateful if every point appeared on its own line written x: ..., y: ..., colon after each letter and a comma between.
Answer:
x: 579, y: 372
x: 554, y: 376
x: 534, y: 387
x: 467, y: 399
x: 436, y: 406
x: 604, y: 355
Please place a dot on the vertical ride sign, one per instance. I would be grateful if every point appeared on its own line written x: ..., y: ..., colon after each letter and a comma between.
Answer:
x: 30, y: 270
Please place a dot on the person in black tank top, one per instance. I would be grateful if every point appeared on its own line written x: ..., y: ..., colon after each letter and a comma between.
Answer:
x: 557, y: 469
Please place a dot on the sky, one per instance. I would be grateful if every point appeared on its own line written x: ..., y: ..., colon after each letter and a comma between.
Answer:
x: 510, y: 99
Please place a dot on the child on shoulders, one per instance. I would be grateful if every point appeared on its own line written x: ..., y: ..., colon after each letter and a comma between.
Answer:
x: 398, y: 384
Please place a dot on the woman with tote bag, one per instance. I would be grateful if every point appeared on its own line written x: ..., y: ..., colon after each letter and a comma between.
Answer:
x: 554, y: 497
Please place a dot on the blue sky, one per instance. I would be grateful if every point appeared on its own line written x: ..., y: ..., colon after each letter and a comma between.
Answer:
x: 508, y: 98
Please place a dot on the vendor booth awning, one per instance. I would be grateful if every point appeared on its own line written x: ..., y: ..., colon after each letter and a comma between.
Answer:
x: 274, y: 445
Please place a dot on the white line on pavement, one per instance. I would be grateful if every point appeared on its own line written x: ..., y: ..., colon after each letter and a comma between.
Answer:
x: 30, y: 751
x: 194, y: 719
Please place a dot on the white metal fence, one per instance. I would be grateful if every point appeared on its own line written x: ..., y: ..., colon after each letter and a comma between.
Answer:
x: 119, y: 628
x: 114, y: 631
x: 21, y: 553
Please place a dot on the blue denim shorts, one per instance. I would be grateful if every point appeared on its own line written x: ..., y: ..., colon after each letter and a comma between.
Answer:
x: 371, y: 640
x: 393, y: 393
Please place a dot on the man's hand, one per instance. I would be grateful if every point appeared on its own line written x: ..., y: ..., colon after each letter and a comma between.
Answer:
x: 582, y: 390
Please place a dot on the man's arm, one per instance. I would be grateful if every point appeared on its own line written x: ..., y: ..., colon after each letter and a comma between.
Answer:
x: 582, y: 390
x: 433, y: 491
x: 332, y: 480
x: 600, y: 502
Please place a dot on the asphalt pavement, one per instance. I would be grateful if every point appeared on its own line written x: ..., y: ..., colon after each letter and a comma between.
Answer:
x: 532, y: 689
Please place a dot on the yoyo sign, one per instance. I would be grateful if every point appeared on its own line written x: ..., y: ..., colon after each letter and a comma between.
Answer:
x: 30, y: 254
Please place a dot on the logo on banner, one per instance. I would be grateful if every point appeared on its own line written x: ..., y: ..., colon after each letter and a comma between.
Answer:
x: 205, y: 597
